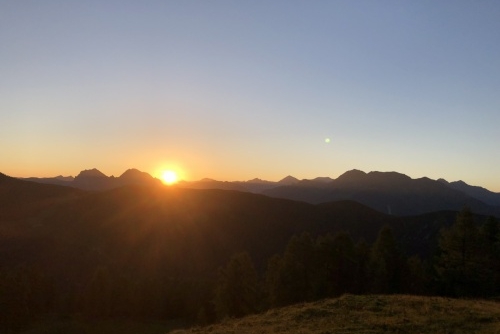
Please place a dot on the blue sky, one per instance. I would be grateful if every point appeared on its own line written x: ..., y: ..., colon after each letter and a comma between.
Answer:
x: 234, y: 90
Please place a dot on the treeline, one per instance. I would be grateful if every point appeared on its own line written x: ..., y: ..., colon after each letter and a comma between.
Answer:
x: 467, y: 264
x: 28, y: 296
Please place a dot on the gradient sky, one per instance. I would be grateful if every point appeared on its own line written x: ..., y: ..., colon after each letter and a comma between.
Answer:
x: 234, y: 90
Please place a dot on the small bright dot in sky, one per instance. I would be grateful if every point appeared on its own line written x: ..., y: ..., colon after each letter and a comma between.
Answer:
x: 327, y: 140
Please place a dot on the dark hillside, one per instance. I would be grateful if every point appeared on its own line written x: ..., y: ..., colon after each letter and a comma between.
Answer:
x: 23, y: 198
x: 157, y: 249
x: 188, y: 231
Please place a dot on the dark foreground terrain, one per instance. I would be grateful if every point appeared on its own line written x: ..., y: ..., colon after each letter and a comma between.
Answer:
x: 346, y: 314
x: 369, y: 314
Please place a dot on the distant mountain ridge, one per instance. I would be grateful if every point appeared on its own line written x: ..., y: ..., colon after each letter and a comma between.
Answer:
x: 94, y: 180
x: 480, y: 193
x: 388, y: 192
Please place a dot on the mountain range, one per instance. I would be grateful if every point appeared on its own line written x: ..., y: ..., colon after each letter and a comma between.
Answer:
x: 152, y: 240
x: 95, y: 180
x: 176, y: 234
x: 389, y: 192
x: 66, y: 231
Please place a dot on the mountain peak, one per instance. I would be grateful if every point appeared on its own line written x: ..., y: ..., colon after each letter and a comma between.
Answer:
x: 460, y: 183
x: 288, y: 180
x: 443, y: 181
x: 206, y: 179
x: 257, y: 180
x: 352, y: 175
x: 90, y: 173
x: 135, y: 174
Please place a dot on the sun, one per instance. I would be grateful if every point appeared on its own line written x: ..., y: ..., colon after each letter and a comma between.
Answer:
x: 169, y: 177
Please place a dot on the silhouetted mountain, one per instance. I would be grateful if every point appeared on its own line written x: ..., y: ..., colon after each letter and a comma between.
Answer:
x: 288, y: 180
x: 90, y: 173
x: 322, y: 179
x: 95, y: 180
x: 257, y: 185
x: 92, y: 179
x: 388, y: 192
x: 354, y: 175
x: 254, y: 186
x: 480, y: 193
x: 257, y: 180
x: 135, y: 176
x: 167, y: 241
x: 212, y: 184
x: 22, y: 198
x: 189, y: 231
x: 59, y: 180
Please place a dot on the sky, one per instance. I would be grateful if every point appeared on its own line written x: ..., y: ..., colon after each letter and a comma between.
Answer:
x: 234, y: 90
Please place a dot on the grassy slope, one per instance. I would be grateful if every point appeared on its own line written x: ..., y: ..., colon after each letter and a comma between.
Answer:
x: 369, y: 314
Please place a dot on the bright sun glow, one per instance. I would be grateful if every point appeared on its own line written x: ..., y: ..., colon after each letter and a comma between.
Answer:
x: 169, y: 177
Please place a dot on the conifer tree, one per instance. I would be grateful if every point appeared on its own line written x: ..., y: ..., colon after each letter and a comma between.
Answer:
x: 274, y: 287
x: 460, y: 264
x: 338, y: 264
x: 385, y: 263
x: 237, y: 291
x: 489, y: 238
x: 298, y: 270
x: 361, y: 281
x: 415, y: 280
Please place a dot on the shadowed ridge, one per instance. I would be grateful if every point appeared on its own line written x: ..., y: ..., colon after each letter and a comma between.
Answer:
x: 19, y: 197
x: 5, y: 179
x: 288, y: 180
x: 480, y: 193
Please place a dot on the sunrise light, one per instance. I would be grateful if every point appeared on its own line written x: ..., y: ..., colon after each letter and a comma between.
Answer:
x: 169, y: 177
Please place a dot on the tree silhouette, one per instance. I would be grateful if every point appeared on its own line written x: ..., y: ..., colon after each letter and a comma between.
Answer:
x: 298, y: 268
x: 338, y: 263
x: 237, y: 291
x: 385, y: 263
x: 460, y: 264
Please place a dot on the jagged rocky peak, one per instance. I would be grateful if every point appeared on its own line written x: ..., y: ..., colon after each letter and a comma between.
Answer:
x: 90, y: 173
x: 134, y: 173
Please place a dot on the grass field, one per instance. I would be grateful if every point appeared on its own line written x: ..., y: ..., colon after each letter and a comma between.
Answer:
x: 369, y: 314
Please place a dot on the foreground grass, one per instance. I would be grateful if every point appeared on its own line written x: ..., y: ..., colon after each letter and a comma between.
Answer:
x: 369, y: 314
